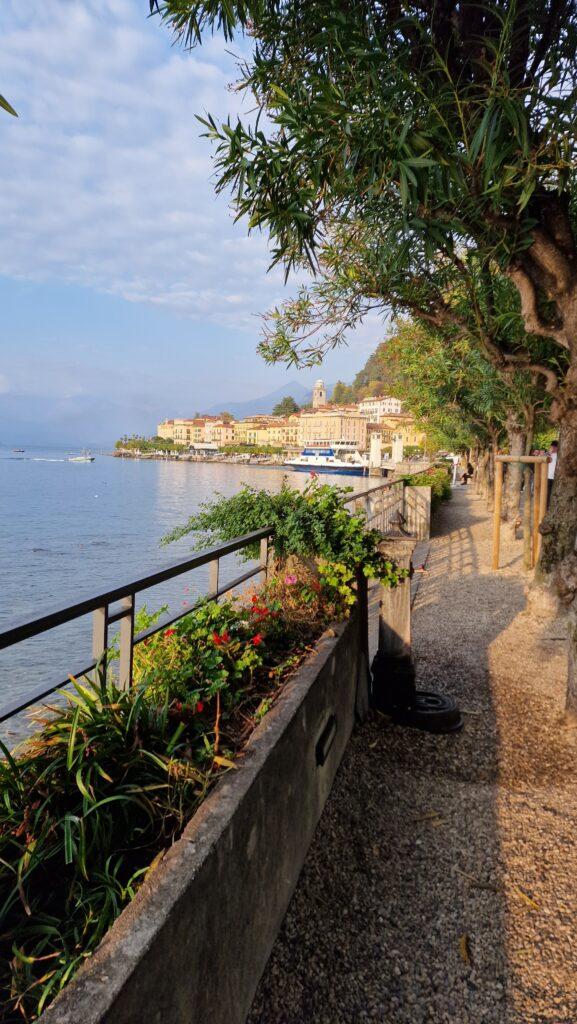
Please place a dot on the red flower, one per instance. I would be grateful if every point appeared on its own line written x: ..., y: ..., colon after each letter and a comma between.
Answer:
x: 178, y: 705
x: 254, y: 599
x: 170, y: 632
x: 219, y: 639
x: 200, y: 707
x: 256, y: 640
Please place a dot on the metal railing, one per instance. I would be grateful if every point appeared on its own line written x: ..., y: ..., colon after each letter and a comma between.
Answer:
x: 380, y: 504
x: 118, y: 604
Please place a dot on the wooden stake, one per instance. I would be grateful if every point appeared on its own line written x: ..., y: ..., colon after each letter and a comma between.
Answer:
x: 543, y: 496
x: 497, y: 512
x: 536, y: 506
x: 527, y: 559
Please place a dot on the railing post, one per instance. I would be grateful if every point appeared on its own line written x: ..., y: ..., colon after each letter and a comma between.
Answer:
x: 536, y: 506
x: 527, y: 538
x: 543, y: 496
x: 362, y: 699
x: 100, y: 642
x: 497, y: 513
x: 213, y: 571
x: 264, y: 556
x: 126, y: 643
x: 393, y: 667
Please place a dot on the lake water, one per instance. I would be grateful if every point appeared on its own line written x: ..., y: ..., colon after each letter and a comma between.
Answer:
x: 71, y: 530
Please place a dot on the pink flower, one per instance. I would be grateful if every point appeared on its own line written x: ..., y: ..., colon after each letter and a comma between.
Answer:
x: 290, y: 579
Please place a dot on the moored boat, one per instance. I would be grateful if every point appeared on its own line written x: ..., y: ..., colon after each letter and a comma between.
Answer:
x: 326, y: 460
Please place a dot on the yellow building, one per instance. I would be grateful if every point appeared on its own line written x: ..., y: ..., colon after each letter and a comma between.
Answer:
x: 220, y: 432
x: 182, y: 431
x: 165, y: 430
x: 284, y: 433
x: 254, y: 430
x: 402, y: 426
x: 327, y: 427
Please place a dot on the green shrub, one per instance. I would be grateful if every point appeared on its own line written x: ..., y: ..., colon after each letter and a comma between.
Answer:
x: 437, y: 479
x: 310, y: 524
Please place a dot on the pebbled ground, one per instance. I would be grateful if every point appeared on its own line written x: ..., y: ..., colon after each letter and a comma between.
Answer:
x: 442, y: 882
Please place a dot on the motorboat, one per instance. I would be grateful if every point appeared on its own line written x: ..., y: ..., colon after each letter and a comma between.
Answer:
x: 84, y: 457
x: 326, y: 460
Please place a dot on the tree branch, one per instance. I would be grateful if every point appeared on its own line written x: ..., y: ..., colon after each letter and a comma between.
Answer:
x: 531, y: 317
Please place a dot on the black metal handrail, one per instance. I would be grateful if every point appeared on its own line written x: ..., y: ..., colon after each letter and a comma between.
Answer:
x: 104, y: 615
x: 99, y: 605
x: 13, y: 634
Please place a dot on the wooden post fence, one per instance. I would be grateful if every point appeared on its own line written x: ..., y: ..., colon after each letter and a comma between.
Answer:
x: 539, y: 505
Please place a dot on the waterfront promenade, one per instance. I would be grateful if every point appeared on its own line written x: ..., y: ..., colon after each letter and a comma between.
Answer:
x: 440, y: 887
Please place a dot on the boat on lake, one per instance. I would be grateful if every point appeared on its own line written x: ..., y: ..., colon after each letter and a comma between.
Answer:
x: 327, y: 460
x: 84, y: 457
x: 18, y: 451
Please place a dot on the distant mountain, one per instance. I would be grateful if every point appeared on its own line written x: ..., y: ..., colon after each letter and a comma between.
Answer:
x: 264, y: 404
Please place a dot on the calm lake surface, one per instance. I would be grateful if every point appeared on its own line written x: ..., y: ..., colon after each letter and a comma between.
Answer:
x: 73, y: 530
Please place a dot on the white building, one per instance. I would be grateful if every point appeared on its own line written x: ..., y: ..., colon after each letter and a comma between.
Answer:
x: 375, y: 409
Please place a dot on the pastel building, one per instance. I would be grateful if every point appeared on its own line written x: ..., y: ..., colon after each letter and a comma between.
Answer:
x: 375, y: 409
x: 327, y: 427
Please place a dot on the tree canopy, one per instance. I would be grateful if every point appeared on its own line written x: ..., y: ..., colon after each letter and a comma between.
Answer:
x: 431, y: 138
x: 286, y: 407
x: 449, y: 122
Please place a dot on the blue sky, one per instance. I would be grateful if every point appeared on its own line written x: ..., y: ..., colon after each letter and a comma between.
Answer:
x: 127, y: 293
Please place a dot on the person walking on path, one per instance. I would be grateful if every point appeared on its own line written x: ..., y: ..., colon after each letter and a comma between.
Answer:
x: 552, y: 459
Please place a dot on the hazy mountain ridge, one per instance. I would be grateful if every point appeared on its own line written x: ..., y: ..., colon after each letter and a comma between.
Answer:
x: 265, y: 403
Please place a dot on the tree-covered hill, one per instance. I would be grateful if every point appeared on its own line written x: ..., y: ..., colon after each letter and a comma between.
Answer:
x: 375, y: 378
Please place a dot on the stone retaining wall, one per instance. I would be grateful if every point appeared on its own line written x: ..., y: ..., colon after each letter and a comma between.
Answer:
x: 192, y: 946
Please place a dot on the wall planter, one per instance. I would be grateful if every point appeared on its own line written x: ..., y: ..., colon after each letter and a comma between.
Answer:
x: 192, y: 946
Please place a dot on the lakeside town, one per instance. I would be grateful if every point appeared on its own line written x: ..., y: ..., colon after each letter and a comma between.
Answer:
x: 377, y: 425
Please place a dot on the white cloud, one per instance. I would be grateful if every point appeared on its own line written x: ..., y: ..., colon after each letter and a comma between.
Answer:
x: 104, y: 181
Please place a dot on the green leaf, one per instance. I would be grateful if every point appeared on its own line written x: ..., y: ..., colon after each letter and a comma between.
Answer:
x: 6, y: 106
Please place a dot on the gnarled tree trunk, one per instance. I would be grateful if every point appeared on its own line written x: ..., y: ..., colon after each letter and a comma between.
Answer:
x: 548, y: 269
x: 559, y: 528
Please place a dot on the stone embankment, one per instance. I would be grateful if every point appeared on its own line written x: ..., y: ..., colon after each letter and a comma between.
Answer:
x: 440, y: 887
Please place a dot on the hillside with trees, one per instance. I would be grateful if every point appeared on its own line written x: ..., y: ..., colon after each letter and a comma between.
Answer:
x: 375, y: 378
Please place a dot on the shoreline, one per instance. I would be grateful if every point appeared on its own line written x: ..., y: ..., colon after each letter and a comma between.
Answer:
x: 234, y: 460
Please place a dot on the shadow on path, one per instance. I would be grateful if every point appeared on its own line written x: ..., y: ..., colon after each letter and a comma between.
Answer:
x: 403, y: 911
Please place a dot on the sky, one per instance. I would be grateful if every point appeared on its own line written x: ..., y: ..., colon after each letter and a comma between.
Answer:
x: 127, y: 292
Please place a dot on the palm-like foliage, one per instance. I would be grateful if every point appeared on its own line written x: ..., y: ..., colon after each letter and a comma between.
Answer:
x: 93, y: 795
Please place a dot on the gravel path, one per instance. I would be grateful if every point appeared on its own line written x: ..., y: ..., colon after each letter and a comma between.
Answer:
x: 441, y: 884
